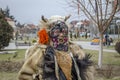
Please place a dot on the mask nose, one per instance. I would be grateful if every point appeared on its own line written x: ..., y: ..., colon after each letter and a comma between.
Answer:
x: 61, y: 34
x: 61, y: 38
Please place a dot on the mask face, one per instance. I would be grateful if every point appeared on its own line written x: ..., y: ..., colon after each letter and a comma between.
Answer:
x: 59, y: 35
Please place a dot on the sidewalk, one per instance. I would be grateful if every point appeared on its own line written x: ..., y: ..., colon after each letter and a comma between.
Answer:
x: 87, y: 45
x: 13, y: 46
x: 84, y: 45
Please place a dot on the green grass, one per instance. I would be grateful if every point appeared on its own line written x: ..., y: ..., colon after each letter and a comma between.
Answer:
x: 108, y: 57
x: 20, y: 55
x: 112, y: 47
x: 13, y: 76
x: 4, y: 57
x: 8, y: 76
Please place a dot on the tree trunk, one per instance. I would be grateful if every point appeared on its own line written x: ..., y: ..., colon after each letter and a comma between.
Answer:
x: 118, y: 32
x: 100, y: 51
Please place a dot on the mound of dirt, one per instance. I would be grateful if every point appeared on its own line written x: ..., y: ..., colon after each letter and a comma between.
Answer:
x: 108, y: 71
x: 9, y: 66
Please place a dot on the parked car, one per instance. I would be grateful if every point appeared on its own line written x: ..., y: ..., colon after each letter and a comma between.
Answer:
x: 95, y: 41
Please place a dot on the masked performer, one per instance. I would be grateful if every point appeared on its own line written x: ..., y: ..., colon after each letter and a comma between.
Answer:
x: 55, y: 57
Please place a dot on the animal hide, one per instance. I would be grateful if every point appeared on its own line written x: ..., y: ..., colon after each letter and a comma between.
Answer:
x: 65, y: 63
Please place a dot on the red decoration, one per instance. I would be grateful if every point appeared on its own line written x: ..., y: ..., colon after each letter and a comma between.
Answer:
x: 43, y: 36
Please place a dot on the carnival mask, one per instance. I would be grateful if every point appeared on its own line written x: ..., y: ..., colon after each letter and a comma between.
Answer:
x: 59, y: 35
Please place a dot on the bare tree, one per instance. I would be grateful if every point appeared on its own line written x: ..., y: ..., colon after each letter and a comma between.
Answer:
x: 100, y: 13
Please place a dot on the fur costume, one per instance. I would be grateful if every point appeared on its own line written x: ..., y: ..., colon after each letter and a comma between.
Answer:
x: 55, y: 57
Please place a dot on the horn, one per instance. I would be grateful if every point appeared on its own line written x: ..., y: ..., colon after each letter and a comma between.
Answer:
x: 67, y: 17
x: 44, y: 19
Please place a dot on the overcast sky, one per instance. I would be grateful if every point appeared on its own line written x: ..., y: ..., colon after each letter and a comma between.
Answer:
x: 30, y: 11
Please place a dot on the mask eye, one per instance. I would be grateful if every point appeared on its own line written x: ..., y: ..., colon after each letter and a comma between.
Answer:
x: 64, y: 31
x: 54, y: 32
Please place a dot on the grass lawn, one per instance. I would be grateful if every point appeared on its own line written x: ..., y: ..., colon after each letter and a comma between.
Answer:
x: 19, y: 55
x: 108, y: 58
x: 8, y: 75
x: 13, y: 76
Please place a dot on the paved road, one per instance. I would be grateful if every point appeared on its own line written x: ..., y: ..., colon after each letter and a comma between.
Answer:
x: 13, y: 46
x: 85, y: 45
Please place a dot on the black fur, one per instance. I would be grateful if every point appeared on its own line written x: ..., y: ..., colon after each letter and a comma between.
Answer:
x: 49, y: 66
x: 82, y: 65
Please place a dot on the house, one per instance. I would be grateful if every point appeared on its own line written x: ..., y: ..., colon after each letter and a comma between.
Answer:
x: 12, y: 24
x: 30, y: 30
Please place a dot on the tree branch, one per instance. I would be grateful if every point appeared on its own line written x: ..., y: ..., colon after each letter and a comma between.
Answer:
x: 106, y: 23
x: 107, y: 1
x: 83, y: 7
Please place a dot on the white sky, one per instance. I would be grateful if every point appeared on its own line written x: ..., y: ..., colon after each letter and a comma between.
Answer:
x: 30, y: 11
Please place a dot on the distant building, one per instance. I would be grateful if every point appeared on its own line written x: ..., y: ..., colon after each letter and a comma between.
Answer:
x: 83, y: 25
x: 113, y: 27
x: 30, y: 30
x: 113, y: 3
x: 12, y: 24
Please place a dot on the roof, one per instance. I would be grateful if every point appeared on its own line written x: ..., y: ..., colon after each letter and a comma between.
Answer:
x: 8, y: 19
x: 32, y: 26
